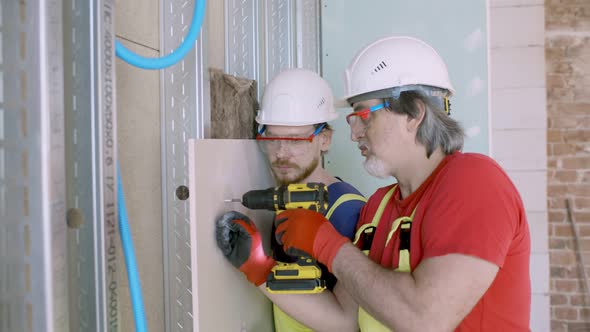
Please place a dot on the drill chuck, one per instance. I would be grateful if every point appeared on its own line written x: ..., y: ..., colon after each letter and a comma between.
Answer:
x: 259, y: 199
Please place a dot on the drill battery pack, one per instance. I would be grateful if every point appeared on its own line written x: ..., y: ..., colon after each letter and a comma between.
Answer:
x: 302, y: 277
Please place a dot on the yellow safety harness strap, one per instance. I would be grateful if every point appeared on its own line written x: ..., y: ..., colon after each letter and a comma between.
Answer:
x: 366, y: 322
x: 377, y: 216
x: 404, y: 221
x: 343, y: 199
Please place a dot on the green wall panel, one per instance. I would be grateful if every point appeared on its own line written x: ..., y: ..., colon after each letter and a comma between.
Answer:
x: 456, y: 29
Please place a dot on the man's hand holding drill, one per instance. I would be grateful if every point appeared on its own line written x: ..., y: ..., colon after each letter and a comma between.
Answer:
x: 303, y: 231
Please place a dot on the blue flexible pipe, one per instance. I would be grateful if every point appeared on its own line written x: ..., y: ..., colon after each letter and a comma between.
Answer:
x: 126, y: 240
x: 129, y: 253
x: 172, y: 58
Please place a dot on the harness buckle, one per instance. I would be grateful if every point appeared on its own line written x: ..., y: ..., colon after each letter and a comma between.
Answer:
x: 367, y: 238
x: 405, y: 233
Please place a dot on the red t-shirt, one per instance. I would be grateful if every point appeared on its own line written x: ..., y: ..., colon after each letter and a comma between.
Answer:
x: 469, y: 206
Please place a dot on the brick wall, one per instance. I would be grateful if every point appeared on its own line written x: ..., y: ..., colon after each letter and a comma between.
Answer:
x: 568, y: 147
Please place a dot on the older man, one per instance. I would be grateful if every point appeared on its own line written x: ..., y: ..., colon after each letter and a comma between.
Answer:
x: 448, y: 245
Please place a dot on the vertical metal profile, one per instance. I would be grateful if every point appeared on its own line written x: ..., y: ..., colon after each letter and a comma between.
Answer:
x: 90, y: 123
x: 202, y: 89
x: 289, y: 37
x: 185, y: 110
x: 279, y: 37
x: 105, y: 157
x: 184, y: 115
x: 241, y: 39
x: 308, y: 34
x: 33, y: 277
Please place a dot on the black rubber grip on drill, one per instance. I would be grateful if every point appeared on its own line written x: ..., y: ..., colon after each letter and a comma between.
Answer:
x: 259, y: 199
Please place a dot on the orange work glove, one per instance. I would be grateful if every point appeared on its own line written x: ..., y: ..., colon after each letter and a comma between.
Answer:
x: 302, y: 231
x: 240, y: 242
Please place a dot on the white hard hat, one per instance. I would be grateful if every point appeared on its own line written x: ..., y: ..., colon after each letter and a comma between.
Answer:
x: 296, y: 97
x: 393, y: 62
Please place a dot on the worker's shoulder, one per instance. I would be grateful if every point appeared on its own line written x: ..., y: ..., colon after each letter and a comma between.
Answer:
x: 378, y: 195
x: 466, y: 172
x: 474, y: 165
x: 340, y: 188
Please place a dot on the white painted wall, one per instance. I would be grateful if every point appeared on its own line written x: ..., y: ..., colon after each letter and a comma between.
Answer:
x: 519, y: 126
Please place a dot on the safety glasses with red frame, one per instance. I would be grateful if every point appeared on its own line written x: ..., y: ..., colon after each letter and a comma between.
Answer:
x: 365, y: 113
x: 260, y: 137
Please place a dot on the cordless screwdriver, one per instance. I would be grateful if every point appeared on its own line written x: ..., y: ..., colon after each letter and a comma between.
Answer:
x: 303, y: 276
x: 311, y: 196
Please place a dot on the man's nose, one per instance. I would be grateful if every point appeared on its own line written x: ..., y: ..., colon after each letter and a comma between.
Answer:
x: 357, y: 131
x: 282, y: 150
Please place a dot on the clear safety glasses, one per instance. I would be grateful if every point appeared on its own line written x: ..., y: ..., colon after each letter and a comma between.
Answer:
x: 292, y: 144
x: 364, y: 114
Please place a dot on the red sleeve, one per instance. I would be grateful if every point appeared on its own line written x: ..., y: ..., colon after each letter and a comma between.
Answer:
x: 474, y: 210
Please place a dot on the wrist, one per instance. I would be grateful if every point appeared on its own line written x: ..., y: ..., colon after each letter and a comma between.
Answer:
x: 341, y: 260
x: 330, y: 242
x: 257, y: 271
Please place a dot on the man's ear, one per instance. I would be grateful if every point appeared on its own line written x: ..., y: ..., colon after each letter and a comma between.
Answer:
x: 325, y: 138
x: 414, y: 123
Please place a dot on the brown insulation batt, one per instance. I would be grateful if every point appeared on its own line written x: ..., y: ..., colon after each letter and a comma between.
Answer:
x: 233, y: 106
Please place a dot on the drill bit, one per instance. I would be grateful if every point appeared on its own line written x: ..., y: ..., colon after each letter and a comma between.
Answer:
x: 233, y: 200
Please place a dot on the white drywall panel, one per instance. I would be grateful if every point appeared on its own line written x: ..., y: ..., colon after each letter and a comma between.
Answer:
x: 223, y: 300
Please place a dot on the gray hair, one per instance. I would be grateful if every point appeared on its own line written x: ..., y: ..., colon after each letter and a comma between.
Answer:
x: 437, y: 129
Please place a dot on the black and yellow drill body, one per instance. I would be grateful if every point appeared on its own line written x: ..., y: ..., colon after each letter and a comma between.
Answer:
x: 303, y: 276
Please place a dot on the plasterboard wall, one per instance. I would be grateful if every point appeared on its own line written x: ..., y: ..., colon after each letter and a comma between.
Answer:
x: 223, y: 300
x: 138, y: 125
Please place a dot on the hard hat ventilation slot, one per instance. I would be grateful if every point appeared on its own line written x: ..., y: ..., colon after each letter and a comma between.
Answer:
x: 322, y: 102
x: 380, y: 66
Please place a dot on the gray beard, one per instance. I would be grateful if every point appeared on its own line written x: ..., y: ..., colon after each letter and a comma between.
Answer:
x: 376, y: 168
